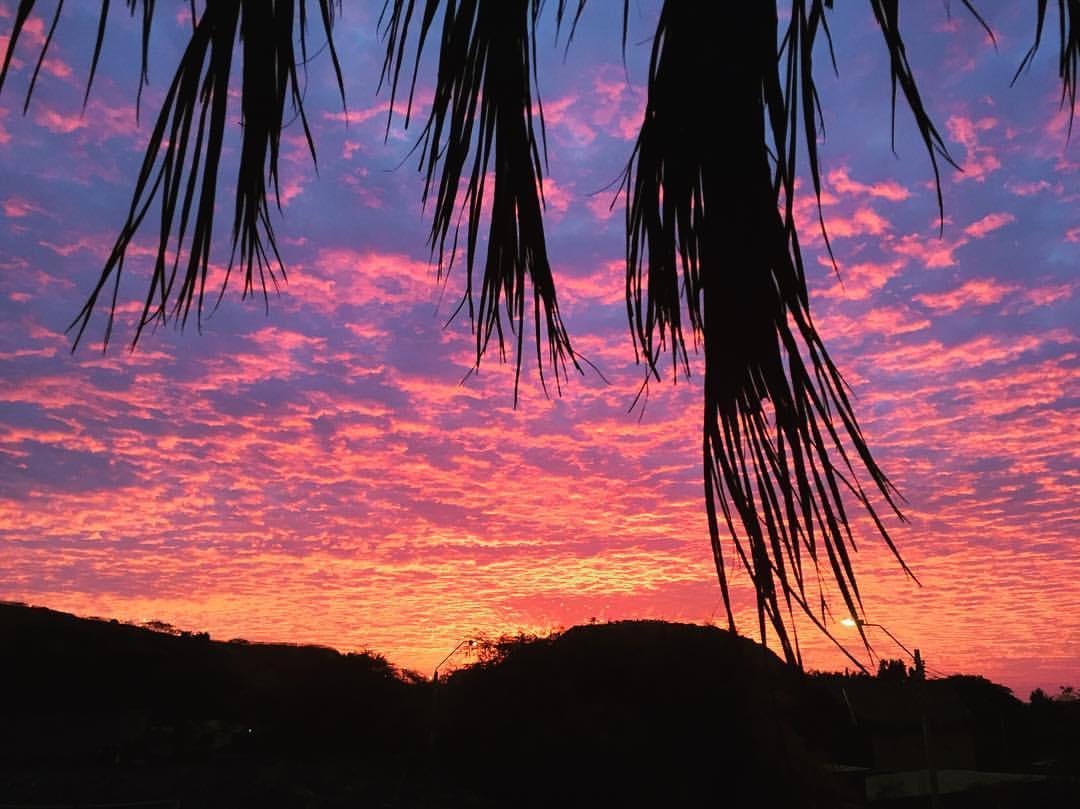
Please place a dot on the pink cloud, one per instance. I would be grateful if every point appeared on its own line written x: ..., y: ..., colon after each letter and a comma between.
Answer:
x: 806, y: 206
x: 59, y: 122
x: 1044, y: 296
x: 339, y: 276
x: 938, y: 251
x: 291, y: 189
x: 988, y: 224
x: 860, y: 280
x: 617, y: 105
x: 17, y: 207
x: 56, y: 67
x: 1057, y: 129
x: 974, y: 292
x: 569, y: 125
x: 88, y: 243
x: 96, y: 124
x: 932, y: 253
x: 33, y: 31
x: 1030, y: 189
x: 366, y: 191
x: 349, y: 148
x: 864, y: 221
x: 933, y: 356
x: 605, y: 204
x: 980, y: 159
x: 33, y: 35
x: 361, y: 116
x: 556, y: 198
x: 889, y: 190
x: 377, y: 113
x: 604, y: 284
x: 888, y: 321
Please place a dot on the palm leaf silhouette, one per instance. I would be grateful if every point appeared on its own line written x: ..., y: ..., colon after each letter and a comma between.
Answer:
x: 482, y: 114
x: 712, y: 245
x: 180, y: 170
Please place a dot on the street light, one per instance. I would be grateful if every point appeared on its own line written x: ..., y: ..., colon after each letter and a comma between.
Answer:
x: 920, y: 670
x: 470, y: 642
x: 920, y: 677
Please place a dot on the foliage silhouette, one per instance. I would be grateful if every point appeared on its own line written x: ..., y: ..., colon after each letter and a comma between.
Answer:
x: 635, y: 713
x: 306, y: 699
x: 712, y: 245
x: 892, y: 669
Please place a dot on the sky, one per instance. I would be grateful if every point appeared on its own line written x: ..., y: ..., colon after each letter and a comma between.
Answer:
x: 330, y: 472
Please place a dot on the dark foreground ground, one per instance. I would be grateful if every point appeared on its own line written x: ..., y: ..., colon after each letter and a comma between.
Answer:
x: 636, y: 713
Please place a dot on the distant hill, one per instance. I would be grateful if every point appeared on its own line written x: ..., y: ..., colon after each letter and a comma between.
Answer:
x: 94, y: 671
x: 639, y: 711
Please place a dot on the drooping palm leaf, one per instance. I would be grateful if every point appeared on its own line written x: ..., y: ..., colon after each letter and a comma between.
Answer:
x: 1068, y: 49
x: 887, y: 13
x: 481, y: 131
x: 710, y: 226
x: 180, y: 170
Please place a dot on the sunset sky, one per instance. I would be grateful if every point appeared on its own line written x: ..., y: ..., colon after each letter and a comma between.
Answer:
x: 322, y: 473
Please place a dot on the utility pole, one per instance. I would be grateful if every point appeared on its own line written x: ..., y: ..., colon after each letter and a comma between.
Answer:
x: 919, y: 675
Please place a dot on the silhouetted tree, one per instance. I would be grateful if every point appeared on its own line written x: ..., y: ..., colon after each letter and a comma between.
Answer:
x: 892, y: 670
x: 712, y: 246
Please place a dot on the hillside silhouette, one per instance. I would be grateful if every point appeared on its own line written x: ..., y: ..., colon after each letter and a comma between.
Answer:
x: 65, y: 665
x: 104, y: 711
x: 639, y: 713
x: 633, y: 713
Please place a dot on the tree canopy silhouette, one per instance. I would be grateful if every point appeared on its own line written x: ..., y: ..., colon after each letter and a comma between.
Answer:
x: 712, y: 244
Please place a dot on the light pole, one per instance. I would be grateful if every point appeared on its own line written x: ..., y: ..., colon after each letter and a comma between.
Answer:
x: 920, y: 666
x: 470, y: 642
x: 920, y: 678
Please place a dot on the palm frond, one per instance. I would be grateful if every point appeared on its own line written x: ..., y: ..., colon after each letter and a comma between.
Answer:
x: 180, y: 169
x: 714, y: 225
x: 144, y: 55
x: 887, y: 14
x: 480, y: 131
x: 1068, y: 50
